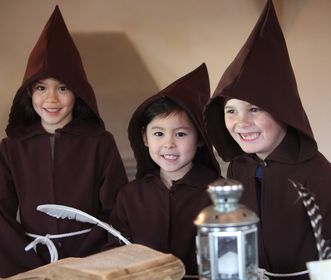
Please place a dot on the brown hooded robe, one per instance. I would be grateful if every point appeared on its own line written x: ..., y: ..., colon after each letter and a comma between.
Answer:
x: 261, y: 74
x: 149, y: 213
x: 82, y: 168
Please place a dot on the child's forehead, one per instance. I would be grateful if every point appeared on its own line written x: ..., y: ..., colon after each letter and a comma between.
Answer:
x: 178, y: 115
x: 238, y: 103
x: 174, y: 118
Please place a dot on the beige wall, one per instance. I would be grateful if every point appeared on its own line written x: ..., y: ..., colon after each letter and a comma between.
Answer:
x: 132, y: 48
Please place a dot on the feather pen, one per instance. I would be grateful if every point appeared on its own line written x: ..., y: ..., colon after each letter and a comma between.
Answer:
x: 66, y: 212
x: 309, y: 201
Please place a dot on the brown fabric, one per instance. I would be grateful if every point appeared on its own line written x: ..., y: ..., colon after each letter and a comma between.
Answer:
x: 86, y: 170
x: 150, y: 214
x: 262, y: 74
x: 286, y: 240
x: 86, y: 173
x: 54, y: 55
x: 191, y: 92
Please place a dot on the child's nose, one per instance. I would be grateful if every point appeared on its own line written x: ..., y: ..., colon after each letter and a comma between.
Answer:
x: 169, y: 142
x: 51, y: 95
x: 244, y: 120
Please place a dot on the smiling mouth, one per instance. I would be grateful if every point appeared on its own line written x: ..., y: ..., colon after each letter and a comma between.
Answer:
x: 170, y: 157
x: 52, y: 110
x: 249, y: 136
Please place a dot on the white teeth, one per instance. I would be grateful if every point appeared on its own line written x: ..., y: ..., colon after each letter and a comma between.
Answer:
x: 52, y: 110
x: 249, y: 136
x: 170, y: 156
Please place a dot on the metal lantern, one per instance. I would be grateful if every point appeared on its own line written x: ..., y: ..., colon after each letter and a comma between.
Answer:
x: 227, y: 235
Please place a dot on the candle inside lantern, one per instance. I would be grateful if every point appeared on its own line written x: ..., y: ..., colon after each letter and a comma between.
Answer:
x: 228, y: 263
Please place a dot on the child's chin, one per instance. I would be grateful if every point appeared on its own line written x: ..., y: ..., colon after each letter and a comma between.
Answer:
x: 248, y: 150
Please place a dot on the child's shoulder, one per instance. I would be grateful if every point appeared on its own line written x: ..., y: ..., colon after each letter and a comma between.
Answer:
x: 99, y: 133
x: 130, y: 189
x: 141, y: 184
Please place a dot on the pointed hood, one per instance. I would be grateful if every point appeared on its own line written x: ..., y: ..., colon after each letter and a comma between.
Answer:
x: 191, y: 92
x: 54, y: 55
x: 261, y: 74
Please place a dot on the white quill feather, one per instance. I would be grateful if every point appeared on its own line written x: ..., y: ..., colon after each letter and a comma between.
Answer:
x: 66, y: 212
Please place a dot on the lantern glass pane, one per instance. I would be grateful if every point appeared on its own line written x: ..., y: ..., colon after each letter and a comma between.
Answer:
x: 251, y: 255
x: 227, y: 265
x: 203, y: 258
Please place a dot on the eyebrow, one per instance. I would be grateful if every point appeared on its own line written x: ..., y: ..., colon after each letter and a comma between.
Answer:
x: 157, y: 127
x: 177, y: 128
x: 228, y: 106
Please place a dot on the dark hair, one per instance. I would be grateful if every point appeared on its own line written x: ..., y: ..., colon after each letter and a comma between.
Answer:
x: 164, y: 107
x: 161, y: 107
x: 25, y: 102
x: 83, y: 112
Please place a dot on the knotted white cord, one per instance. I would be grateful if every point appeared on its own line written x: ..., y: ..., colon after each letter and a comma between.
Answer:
x: 47, y: 240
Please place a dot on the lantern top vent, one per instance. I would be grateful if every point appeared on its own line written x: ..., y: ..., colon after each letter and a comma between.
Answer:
x: 226, y: 211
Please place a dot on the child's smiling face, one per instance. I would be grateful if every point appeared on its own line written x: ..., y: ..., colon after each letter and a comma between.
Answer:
x: 172, y: 142
x: 255, y: 130
x: 53, y: 102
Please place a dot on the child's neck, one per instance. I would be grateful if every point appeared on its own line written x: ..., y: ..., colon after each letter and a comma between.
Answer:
x: 168, y: 178
x: 166, y: 181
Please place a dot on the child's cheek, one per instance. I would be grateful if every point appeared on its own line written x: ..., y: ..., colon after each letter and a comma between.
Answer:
x: 228, y: 123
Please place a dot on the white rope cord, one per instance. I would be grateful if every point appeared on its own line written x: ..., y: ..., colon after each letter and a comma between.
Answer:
x: 47, y: 240
x: 262, y: 274
x: 265, y: 272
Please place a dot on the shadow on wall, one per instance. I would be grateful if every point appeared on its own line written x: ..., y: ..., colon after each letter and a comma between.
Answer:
x: 4, y: 116
x: 121, y: 81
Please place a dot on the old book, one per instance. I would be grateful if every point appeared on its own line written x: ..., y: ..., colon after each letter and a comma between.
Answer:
x: 40, y: 272
x: 132, y: 261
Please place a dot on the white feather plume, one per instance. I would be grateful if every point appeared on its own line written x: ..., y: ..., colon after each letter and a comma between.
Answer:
x: 66, y: 212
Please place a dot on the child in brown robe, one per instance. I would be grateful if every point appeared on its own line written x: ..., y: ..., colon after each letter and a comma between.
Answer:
x: 175, y: 164
x: 256, y: 121
x: 57, y: 151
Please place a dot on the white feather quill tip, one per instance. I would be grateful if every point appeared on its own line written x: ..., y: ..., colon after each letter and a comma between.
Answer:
x: 66, y: 212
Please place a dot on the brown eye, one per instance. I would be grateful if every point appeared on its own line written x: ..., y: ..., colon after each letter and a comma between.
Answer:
x: 255, y: 109
x: 63, y: 88
x: 158, y: 133
x: 229, y: 111
x: 39, y: 88
x: 181, y: 134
